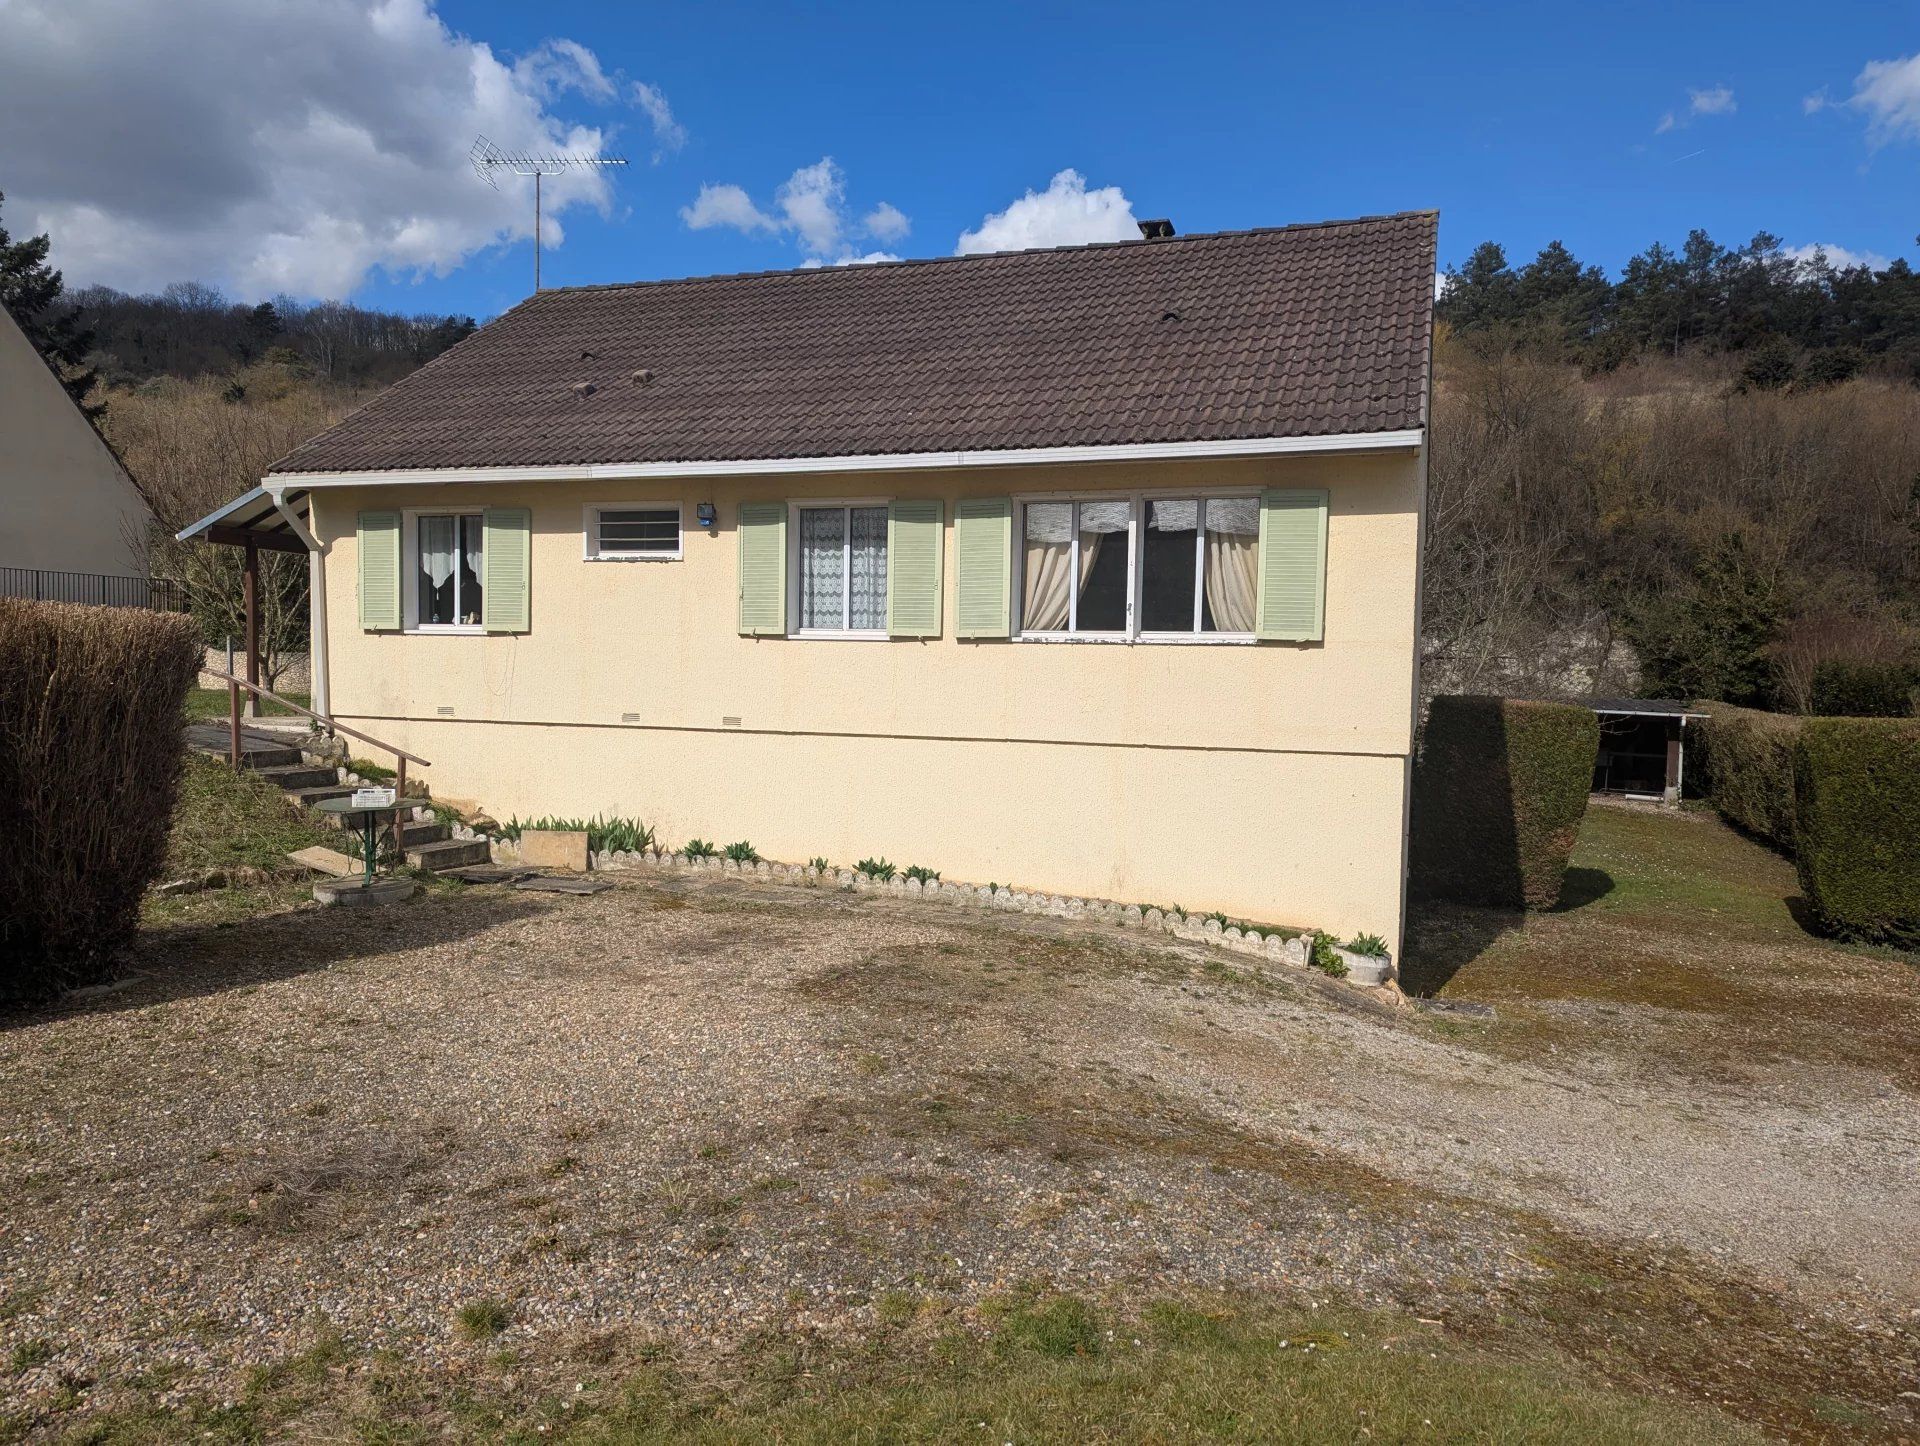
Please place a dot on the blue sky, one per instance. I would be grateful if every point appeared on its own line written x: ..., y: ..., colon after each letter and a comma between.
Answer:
x: 1605, y: 127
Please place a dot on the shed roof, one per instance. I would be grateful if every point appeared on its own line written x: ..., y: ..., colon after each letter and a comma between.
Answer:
x: 1293, y: 331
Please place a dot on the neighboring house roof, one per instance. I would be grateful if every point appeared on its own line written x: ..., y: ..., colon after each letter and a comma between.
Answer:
x: 1293, y: 331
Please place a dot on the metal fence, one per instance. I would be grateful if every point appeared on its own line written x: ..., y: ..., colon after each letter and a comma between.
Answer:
x: 97, y: 589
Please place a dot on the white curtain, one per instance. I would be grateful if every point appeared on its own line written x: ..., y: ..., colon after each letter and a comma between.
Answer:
x: 436, y: 549
x: 822, y: 567
x: 1049, y: 537
x: 1233, y: 562
x: 868, y: 552
x: 473, y: 533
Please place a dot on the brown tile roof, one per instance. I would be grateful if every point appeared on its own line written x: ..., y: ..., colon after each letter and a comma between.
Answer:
x: 1289, y: 331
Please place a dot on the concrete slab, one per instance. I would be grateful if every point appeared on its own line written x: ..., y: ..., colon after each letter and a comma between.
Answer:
x: 551, y: 885
x: 554, y: 848
x: 326, y: 861
x: 360, y: 894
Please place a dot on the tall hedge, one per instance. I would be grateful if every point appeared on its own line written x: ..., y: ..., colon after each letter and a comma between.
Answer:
x: 1747, y: 760
x: 1857, y: 792
x: 1848, y: 689
x: 92, y: 702
x: 1499, y: 789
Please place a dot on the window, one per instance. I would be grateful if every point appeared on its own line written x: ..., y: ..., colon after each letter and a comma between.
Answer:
x: 1076, y: 563
x: 1199, y: 565
x: 842, y: 572
x: 1140, y: 567
x: 450, y: 565
x: 643, y: 531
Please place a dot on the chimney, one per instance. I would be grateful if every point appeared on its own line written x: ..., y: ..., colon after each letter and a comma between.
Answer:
x: 1157, y: 230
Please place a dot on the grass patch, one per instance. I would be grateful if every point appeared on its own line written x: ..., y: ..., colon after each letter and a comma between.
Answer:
x: 481, y: 1320
x: 203, y: 703
x: 225, y: 820
x: 1035, y: 1367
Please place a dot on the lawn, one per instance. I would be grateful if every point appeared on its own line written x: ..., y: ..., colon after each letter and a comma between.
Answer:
x: 203, y: 703
x: 710, y: 1158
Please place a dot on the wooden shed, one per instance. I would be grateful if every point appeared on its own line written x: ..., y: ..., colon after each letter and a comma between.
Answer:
x: 1643, y: 747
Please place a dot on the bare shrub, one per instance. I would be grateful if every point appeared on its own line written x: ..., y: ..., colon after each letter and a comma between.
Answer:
x: 91, y: 708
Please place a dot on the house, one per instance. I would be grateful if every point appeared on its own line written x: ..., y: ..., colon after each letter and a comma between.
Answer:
x: 73, y: 527
x: 1092, y: 570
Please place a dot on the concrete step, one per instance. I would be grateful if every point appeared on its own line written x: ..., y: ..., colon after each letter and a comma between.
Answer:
x: 304, y: 775
x: 261, y: 759
x: 306, y: 797
x: 415, y: 834
x: 452, y: 854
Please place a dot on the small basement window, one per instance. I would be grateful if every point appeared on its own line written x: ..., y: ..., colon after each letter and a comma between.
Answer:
x: 648, y: 531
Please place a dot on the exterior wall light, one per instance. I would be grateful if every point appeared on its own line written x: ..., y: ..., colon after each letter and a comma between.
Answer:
x: 704, y: 512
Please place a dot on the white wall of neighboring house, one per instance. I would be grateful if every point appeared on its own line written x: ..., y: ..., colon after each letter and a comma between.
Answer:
x: 65, y: 503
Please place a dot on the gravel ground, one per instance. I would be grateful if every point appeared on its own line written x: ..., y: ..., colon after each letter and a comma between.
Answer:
x: 696, y: 1104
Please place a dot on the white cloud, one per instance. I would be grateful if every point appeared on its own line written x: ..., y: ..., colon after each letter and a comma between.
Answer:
x: 668, y: 133
x: 292, y: 146
x: 1065, y: 214
x: 1815, y: 103
x: 1711, y: 100
x: 1840, y: 258
x: 1888, y: 93
x: 555, y: 67
x: 726, y: 205
x: 1717, y: 101
x: 810, y: 200
x: 810, y: 206
x: 886, y: 222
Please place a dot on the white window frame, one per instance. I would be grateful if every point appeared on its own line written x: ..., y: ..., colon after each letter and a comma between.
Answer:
x: 590, y: 529
x: 795, y: 506
x: 410, y: 568
x: 1137, y: 498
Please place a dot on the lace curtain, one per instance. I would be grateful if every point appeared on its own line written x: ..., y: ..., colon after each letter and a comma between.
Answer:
x: 437, y: 545
x: 868, y: 554
x: 843, y: 568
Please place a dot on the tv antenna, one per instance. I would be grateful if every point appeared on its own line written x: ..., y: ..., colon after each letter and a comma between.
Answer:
x: 489, y: 161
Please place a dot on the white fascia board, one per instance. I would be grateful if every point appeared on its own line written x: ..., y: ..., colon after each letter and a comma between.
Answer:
x: 873, y: 462
x: 245, y: 499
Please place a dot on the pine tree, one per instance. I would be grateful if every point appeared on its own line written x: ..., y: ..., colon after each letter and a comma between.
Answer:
x: 30, y: 291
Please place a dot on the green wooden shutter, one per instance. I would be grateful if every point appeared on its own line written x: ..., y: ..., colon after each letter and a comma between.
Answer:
x: 763, y: 568
x: 506, y: 604
x: 1293, y: 564
x: 983, y: 567
x: 915, y: 544
x: 378, y: 544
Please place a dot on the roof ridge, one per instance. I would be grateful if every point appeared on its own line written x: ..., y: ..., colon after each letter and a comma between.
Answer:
x: 826, y: 269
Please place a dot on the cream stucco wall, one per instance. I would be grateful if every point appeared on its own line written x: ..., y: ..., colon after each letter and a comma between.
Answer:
x: 65, y: 505
x: 1268, y: 780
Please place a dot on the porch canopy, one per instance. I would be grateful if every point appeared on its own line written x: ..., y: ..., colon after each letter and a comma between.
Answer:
x: 274, y: 519
x: 1643, y: 748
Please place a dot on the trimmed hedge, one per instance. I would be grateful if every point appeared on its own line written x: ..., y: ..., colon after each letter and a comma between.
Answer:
x: 92, y: 701
x: 1499, y: 790
x: 1846, y: 689
x: 1857, y: 792
x: 1747, y: 759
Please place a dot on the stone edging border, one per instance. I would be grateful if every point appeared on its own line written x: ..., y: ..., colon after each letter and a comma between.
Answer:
x: 1363, y: 971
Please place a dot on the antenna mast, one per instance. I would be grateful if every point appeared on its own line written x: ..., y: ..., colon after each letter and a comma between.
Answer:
x: 489, y: 161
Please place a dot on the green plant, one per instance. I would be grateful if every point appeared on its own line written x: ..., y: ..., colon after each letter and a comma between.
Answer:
x: 1746, y: 758
x: 877, y: 869
x: 1857, y: 809
x: 1847, y: 688
x: 1371, y: 945
x: 741, y: 853
x: 1321, y: 956
x: 28, y: 1354
x: 699, y: 848
x: 604, y: 835
x: 92, y: 701
x: 924, y: 875
x: 480, y: 1320
x: 819, y: 864
x: 1499, y: 790
x: 366, y: 768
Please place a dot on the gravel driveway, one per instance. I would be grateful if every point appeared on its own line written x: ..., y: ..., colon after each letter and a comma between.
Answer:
x: 698, y: 1104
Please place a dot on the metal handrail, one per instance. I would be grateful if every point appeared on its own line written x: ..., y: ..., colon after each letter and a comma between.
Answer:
x: 325, y: 722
